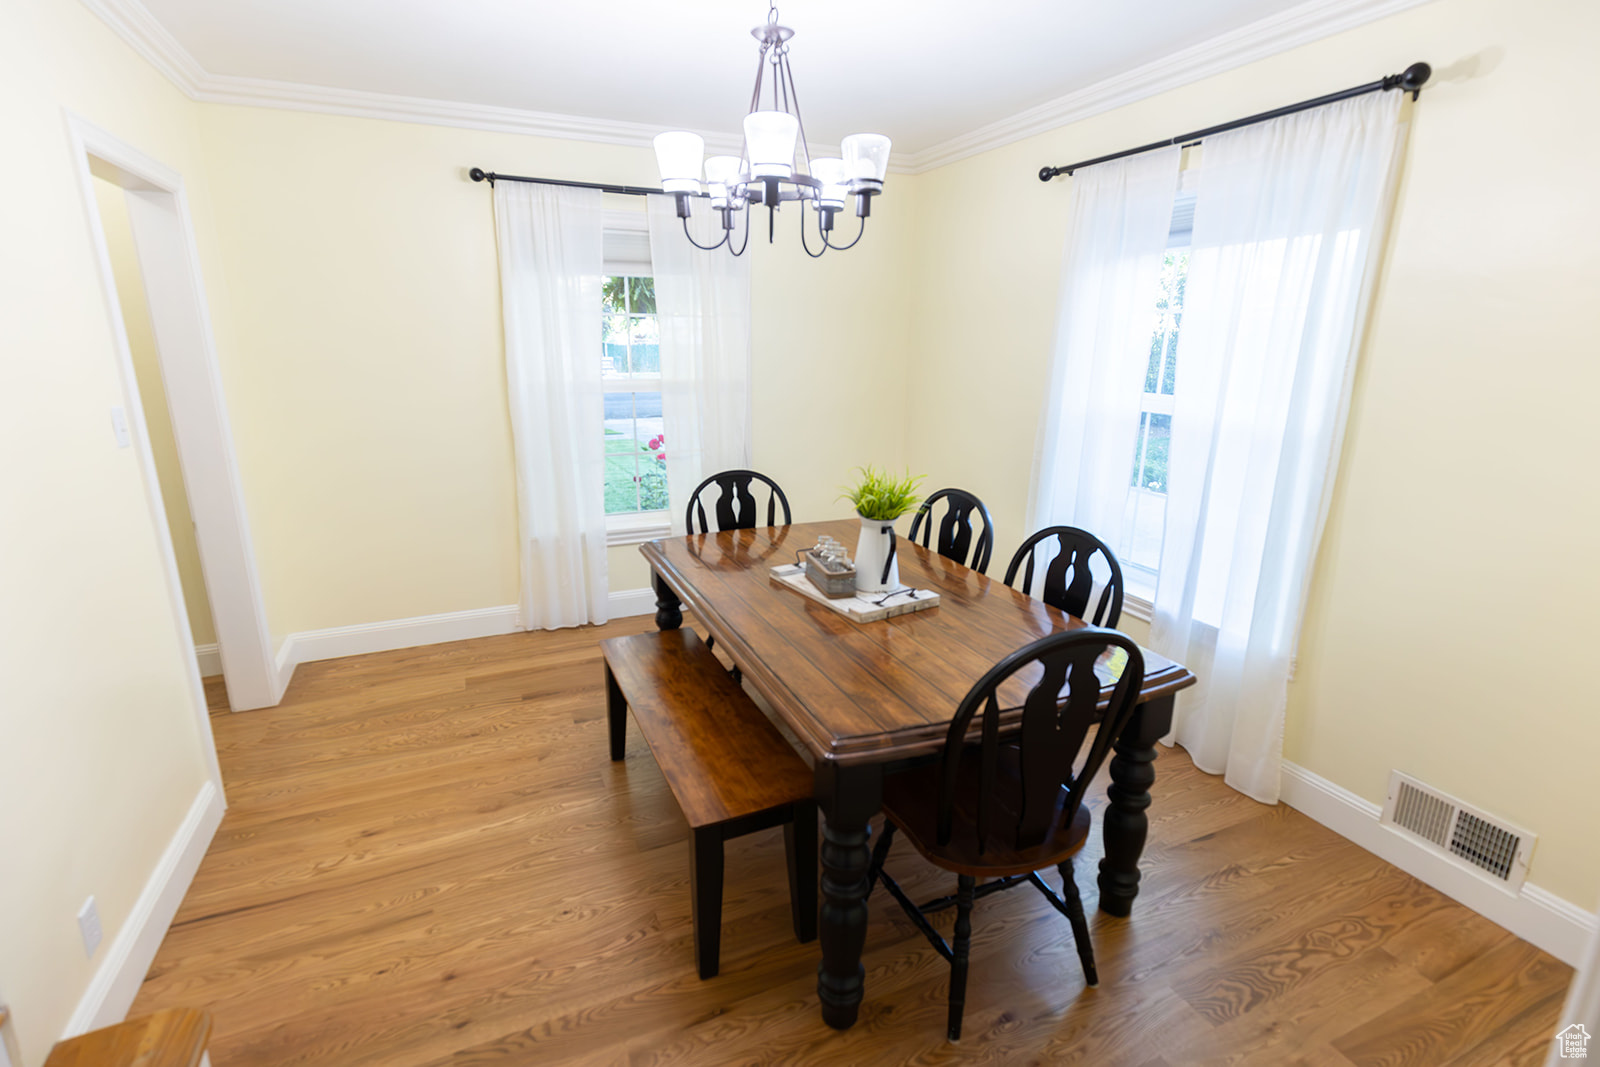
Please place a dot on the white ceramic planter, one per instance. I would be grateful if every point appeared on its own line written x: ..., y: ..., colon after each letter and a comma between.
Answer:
x: 872, y: 549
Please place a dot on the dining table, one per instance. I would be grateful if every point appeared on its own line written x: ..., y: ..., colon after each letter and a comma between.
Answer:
x: 870, y: 698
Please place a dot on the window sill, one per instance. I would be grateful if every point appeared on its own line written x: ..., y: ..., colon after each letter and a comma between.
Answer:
x: 636, y: 529
x: 1139, y: 591
x: 1137, y: 607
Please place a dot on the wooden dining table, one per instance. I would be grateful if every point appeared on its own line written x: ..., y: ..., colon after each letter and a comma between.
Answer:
x: 871, y: 698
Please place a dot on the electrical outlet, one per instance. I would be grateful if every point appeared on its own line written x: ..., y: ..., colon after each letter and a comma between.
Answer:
x: 89, y: 926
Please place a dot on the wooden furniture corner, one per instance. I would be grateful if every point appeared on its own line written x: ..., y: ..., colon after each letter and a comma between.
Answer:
x: 173, y: 1038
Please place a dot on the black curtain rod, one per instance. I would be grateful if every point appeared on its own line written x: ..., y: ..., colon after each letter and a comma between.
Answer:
x: 478, y: 174
x: 1410, y: 80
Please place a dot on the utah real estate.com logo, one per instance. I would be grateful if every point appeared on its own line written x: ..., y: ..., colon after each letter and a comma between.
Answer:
x: 1574, y: 1042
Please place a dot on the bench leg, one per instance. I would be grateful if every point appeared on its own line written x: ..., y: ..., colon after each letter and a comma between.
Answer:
x: 616, y: 714
x: 800, y: 842
x: 705, y: 889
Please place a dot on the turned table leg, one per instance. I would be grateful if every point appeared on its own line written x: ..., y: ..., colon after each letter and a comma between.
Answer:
x: 669, y: 609
x: 1125, y: 823
x: 849, y: 797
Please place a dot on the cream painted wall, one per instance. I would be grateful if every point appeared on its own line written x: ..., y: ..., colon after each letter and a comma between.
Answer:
x: 100, y: 749
x: 368, y: 379
x: 153, y: 396
x: 359, y: 334
x: 1462, y: 506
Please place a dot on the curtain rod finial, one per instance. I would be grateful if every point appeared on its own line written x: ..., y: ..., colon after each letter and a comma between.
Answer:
x: 477, y: 174
x: 1415, y: 77
x: 1046, y: 173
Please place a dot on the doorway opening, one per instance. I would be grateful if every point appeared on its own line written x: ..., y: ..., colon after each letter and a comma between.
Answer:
x: 111, y: 201
x: 174, y: 415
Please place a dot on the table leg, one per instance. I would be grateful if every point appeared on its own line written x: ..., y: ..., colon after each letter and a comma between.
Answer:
x: 669, y: 609
x: 849, y: 797
x: 1125, y: 824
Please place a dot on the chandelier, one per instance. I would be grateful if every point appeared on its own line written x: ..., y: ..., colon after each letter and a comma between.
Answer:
x: 774, y: 163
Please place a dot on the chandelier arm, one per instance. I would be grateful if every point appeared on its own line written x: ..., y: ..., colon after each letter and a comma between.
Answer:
x: 804, y: 243
x: 705, y: 248
x: 728, y: 236
x: 852, y: 244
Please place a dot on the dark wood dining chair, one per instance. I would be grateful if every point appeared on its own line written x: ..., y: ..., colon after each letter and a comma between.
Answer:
x: 1008, y: 809
x: 1069, y: 578
x: 735, y: 509
x: 735, y: 505
x: 955, y: 538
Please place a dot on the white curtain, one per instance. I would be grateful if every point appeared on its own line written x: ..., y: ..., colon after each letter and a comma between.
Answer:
x: 1117, y: 237
x: 703, y: 306
x: 550, y: 240
x: 1289, y: 222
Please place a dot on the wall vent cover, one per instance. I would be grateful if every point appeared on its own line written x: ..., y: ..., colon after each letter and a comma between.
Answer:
x: 1489, y: 846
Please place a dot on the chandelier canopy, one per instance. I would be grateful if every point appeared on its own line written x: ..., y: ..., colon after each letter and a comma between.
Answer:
x: 774, y: 163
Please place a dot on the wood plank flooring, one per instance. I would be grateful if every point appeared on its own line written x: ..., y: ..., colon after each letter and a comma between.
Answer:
x: 429, y: 859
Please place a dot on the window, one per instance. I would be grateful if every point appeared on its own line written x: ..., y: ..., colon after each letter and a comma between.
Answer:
x: 635, y: 472
x: 1145, y: 517
x: 630, y: 373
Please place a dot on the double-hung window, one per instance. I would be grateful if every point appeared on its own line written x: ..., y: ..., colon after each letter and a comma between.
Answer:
x: 1145, y: 517
x: 630, y: 372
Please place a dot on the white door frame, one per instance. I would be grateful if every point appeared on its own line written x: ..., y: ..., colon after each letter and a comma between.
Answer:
x: 163, y: 235
x: 1583, y: 1003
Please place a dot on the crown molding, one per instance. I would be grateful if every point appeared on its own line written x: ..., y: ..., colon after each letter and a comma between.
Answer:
x: 1299, y: 25
x: 1307, y: 22
x: 132, y: 21
x: 357, y: 103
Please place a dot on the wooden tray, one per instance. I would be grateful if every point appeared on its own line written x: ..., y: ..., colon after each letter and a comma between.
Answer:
x: 863, y: 607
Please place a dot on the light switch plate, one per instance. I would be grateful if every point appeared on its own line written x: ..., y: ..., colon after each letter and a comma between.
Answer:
x: 119, y: 427
x: 89, y: 926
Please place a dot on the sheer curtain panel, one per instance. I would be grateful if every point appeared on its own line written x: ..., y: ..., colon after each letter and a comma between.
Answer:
x: 1117, y: 234
x: 703, y: 306
x: 1288, y: 228
x: 550, y: 241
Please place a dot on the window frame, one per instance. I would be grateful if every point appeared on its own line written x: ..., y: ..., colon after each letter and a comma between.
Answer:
x: 1139, y: 597
x: 622, y: 230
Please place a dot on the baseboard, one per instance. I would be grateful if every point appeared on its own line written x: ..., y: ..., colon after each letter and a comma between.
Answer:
x: 311, y: 645
x: 308, y: 646
x: 116, y: 982
x: 209, y: 658
x: 630, y: 602
x: 1536, y: 915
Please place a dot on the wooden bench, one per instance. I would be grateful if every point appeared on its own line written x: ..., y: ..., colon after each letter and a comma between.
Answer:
x: 173, y: 1038
x: 728, y: 766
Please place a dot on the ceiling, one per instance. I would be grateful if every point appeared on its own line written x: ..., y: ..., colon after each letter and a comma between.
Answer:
x: 921, y: 71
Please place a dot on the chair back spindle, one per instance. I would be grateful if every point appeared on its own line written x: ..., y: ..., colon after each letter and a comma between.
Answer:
x: 1069, y: 579
x: 955, y: 536
x: 735, y: 506
x: 1056, y: 717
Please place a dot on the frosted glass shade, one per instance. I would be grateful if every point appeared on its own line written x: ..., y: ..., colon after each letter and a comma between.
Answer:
x: 867, y: 155
x: 678, y: 154
x: 771, y: 136
x: 722, y: 174
x: 834, y: 174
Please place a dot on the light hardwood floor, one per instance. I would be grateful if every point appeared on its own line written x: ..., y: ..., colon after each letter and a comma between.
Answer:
x: 428, y: 859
